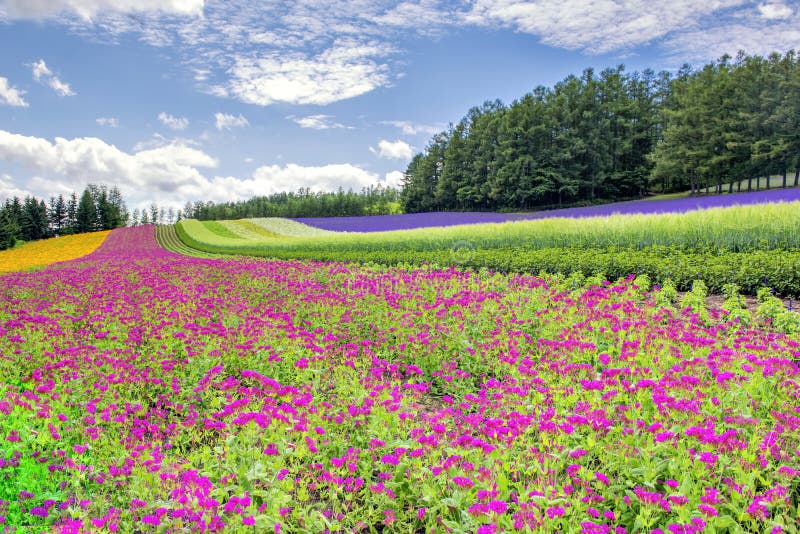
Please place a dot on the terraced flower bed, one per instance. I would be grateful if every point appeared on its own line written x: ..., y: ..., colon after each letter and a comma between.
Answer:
x: 751, y: 246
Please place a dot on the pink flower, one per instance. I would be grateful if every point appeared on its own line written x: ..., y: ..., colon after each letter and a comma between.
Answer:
x: 388, y: 517
x: 554, y: 511
x: 707, y: 510
x: 463, y: 482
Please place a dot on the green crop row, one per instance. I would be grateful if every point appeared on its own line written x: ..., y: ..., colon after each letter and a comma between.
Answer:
x: 168, y: 239
x: 734, y: 229
x: 750, y: 271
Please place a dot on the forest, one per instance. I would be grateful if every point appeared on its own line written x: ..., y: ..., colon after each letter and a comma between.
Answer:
x: 372, y: 200
x: 98, y: 208
x: 617, y: 135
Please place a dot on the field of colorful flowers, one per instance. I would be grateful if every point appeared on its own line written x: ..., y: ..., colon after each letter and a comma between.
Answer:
x: 385, y: 223
x: 47, y: 251
x: 751, y: 246
x: 144, y: 391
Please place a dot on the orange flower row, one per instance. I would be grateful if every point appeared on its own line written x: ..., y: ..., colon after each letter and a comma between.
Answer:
x: 47, y: 251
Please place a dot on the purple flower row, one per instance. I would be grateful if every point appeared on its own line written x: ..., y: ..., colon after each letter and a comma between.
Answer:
x: 381, y: 223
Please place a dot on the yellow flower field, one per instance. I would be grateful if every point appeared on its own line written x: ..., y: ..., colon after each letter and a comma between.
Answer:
x: 47, y: 251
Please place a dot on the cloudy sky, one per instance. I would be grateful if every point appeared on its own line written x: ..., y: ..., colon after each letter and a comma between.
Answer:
x: 176, y: 100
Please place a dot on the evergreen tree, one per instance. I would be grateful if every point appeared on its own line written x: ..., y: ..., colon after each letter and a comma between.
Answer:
x: 71, y: 224
x: 154, y: 211
x: 57, y: 215
x: 86, y: 213
x: 7, y: 230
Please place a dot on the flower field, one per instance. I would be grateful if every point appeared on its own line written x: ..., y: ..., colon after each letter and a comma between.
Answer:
x: 47, y: 251
x: 385, y: 223
x: 145, y: 391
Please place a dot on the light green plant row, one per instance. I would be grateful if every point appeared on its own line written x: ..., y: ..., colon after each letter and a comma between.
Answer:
x: 220, y: 229
x: 289, y: 228
x: 736, y: 229
x: 246, y: 229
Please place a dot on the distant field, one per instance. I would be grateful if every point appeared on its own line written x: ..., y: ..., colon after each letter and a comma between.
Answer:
x: 748, y: 245
x: 47, y: 251
x: 679, y: 203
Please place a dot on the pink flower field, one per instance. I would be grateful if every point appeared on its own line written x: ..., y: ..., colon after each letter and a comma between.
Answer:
x: 144, y: 391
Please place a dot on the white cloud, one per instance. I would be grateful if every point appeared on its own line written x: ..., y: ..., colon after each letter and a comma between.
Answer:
x: 753, y: 34
x: 226, y: 122
x: 171, y: 169
x: 316, y: 122
x: 42, y: 74
x: 274, y: 178
x: 40, y: 70
x: 344, y: 70
x: 111, y: 122
x: 88, y: 9
x: 8, y: 189
x: 175, y: 123
x: 11, y: 96
x: 775, y: 10
x: 411, y: 128
x: 393, y: 149
x: 169, y: 174
x: 578, y: 25
x: 393, y: 179
x: 320, y: 52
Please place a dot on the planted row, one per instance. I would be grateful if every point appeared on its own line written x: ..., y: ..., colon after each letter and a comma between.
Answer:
x: 778, y: 270
x: 736, y: 229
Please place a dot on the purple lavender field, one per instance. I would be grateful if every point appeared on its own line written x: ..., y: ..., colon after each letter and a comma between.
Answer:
x: 382, y: 223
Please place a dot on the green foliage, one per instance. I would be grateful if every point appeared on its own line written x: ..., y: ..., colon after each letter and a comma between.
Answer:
x: 696, y: 300
x: 372, y: 200
x: 733, y: 305
x: 770, y: 308
x: 7, y: 231
x: 667, y: 294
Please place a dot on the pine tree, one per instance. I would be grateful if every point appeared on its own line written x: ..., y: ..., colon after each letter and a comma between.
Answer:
x: 71, y: 224
x: 7, y: 232
x: 57, y: 215
x: 86, y: 213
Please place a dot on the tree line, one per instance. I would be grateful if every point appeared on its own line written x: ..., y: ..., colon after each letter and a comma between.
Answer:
x: 98, y: 208
x: 371, y: 200
x: 616, y: 135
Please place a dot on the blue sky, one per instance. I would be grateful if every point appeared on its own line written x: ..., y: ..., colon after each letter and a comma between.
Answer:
x: 176, y: 100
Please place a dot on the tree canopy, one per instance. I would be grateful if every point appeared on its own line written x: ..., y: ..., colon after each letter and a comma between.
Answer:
x: 615, y: 135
